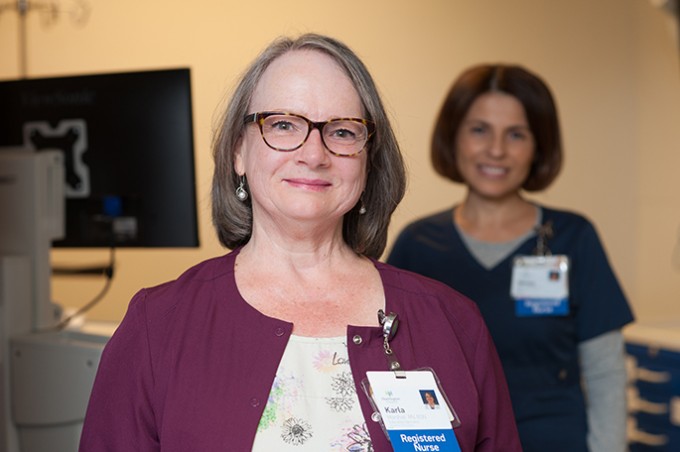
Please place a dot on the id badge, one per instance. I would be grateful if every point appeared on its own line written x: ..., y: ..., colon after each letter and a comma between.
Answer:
x: 415, y: 413
x: 540, y: 285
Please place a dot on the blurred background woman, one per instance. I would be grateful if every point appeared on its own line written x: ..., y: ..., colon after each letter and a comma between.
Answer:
x: 539, y: 275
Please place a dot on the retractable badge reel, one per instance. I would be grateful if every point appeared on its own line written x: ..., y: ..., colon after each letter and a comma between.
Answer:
x: 390, y: 323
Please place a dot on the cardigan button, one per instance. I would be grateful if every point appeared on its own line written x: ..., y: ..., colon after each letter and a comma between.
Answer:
x: 357, y: 339
x: 562, y: 375
x: 254, y: 402
x: 279, y: 331
x: 375, y: 416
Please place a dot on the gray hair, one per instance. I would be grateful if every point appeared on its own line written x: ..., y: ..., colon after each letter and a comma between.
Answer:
x: 365, y: 233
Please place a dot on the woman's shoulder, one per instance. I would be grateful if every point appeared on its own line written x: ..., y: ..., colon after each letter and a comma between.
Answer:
x: 565, y: 216
x: 436, y: 227
x: 190, y: 285
x: 437, y: 219
x: 202, y: 272
x: 573, y: 232
x: 568, y: 221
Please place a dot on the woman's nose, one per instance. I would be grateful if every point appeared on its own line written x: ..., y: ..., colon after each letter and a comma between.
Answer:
x: 313, y: 152
x: 496, y: 146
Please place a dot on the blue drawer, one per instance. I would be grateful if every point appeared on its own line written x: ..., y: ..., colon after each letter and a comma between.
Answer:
x: 654, y: 358
x: 656, y: 424
x: 657, y: 373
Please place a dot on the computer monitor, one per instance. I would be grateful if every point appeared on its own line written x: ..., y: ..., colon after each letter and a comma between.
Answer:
x: 127, y: 140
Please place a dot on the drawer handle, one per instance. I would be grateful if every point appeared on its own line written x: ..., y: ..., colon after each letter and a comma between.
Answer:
x: 651, y: 376
x: 648, y: 439
x: 637, y: 403
x: 651, y: 407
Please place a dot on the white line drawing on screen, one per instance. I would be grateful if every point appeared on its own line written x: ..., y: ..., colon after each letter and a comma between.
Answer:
x: 70, y: 137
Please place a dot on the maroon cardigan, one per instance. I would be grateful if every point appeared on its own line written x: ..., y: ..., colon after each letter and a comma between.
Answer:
x: 191, y: 365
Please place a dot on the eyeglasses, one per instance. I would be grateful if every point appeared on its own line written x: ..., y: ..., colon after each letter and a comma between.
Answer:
x: 285, y: 132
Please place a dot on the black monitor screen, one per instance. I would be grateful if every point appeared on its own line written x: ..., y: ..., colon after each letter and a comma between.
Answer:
x: 127, y: 140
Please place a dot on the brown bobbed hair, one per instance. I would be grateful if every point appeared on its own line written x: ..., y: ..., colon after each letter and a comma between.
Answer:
x: 539, y: 107
x: 386, y: 180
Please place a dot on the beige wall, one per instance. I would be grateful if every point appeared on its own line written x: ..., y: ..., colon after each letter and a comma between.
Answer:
x: 613, y: 65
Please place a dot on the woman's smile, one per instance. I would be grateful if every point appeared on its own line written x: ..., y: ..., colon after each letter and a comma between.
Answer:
x: 308, y: 184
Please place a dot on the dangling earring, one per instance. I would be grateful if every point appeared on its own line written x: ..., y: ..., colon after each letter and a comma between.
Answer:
x: 241, y: 192
x: 362, y: 209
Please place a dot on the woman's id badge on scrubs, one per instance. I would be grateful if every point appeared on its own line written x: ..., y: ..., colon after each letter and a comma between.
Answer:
x: 414, y: 410
x: 540, y: 285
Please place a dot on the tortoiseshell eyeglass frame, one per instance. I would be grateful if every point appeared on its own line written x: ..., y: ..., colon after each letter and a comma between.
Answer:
x: 260, y: 117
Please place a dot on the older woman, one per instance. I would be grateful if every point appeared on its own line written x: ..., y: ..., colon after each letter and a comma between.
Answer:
x: 268, y: 347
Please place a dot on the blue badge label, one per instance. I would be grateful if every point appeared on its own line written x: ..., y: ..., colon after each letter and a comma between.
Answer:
x: 527, y: 307
x: 424, y: 440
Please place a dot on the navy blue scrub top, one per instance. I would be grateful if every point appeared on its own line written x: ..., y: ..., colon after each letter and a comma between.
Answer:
x: 539, y: 354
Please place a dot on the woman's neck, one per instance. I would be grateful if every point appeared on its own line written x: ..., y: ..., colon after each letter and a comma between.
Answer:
x: 493, y: 220
x: 320, y: 289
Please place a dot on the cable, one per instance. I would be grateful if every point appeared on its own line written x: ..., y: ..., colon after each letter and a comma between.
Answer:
x: 95, y: 270
x: 107, y: 271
